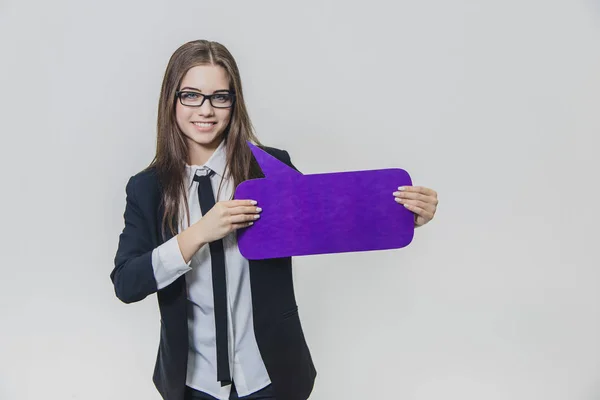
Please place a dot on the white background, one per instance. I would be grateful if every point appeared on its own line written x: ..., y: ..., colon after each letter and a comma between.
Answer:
x: 494, y: 104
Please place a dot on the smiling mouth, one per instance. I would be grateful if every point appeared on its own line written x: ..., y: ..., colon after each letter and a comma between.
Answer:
x: 204, y: 124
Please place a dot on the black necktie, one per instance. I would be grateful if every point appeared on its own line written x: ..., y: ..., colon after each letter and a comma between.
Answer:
x: 217, y: 255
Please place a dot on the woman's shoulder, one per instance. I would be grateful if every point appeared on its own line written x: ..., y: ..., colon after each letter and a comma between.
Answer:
x: 145, y: 180
x: 147, y: 175
x: 280, y: 154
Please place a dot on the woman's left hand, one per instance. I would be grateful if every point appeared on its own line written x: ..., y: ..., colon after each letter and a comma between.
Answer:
x: 420, y: 200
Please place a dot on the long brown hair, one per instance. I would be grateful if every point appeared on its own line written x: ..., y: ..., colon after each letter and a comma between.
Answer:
x: 171, y: 146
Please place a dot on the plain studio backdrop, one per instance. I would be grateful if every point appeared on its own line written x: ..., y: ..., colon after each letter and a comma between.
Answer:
x: 494, y: 104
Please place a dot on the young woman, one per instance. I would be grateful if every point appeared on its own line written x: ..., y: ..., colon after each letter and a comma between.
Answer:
x: 229, y: 326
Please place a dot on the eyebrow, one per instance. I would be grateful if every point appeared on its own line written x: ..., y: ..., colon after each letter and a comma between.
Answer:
x: 198, y: 90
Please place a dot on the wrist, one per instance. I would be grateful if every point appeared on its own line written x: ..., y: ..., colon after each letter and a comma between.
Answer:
x: 198, y: 233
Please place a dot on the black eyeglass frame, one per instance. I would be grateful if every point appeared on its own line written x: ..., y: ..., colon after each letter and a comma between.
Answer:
x: 204, y: 97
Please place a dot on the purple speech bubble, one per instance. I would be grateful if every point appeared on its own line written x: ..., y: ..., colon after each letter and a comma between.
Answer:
x: 323, y: 213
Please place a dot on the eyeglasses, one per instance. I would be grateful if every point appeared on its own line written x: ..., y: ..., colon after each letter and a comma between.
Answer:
x: 195, y: 99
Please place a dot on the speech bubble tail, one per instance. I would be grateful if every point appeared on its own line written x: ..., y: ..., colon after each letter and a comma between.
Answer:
x: 270, y: 165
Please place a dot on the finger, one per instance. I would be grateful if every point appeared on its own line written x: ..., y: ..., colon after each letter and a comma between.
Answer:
x: 418, y: 189
x: 417, y: 203
x: 417, y: 196
x: 244, y: 210
x: 242, y: 225
x: 238, y: 203
x: 419, y: 211
x: 243, y: 218
x: 414, y: 196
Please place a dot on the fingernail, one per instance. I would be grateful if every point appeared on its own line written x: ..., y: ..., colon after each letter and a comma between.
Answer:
x: 406, y: 205
x: 250, y: 223
x: 258, y: 209
x: 256, y: 216
x: 253, y: 202
x: 398, y: 200
x: 396, y: 193
x: 401, y: 188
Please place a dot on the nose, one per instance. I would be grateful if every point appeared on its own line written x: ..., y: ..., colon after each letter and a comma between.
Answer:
x: 206, y: 108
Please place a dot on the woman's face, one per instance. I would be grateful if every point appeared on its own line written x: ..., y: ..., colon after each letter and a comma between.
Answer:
x: 203, y: 125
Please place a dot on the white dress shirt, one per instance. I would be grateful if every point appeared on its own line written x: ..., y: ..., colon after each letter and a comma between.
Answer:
x: 245, y: 362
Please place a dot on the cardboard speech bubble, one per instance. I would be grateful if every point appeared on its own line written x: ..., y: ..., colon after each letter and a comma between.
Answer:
x: 323, y: 213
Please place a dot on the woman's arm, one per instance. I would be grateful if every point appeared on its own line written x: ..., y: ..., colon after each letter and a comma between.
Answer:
x: 133, y: 275
x: 140, y: 269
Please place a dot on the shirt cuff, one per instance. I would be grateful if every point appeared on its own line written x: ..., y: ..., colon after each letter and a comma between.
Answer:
x: 168, y: 263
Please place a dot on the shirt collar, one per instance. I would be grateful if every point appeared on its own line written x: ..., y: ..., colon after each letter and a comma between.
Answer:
x: 217, y: 163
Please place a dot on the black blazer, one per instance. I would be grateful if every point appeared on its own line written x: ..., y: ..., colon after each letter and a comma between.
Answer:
x: 276, y: 322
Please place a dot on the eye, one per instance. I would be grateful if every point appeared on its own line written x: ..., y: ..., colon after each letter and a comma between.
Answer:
x: 222, y: 98
x: 189, y: 95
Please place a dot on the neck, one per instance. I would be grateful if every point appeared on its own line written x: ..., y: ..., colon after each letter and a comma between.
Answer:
x: 198, y: 154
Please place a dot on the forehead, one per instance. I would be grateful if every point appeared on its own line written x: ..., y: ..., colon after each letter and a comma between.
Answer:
x: 206, y: 78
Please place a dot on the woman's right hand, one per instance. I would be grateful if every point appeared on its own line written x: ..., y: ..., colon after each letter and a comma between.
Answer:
x: 222, y: 219
x: 225, y: 217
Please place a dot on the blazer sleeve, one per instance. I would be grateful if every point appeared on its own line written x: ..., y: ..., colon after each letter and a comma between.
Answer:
x: 133, y: 274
